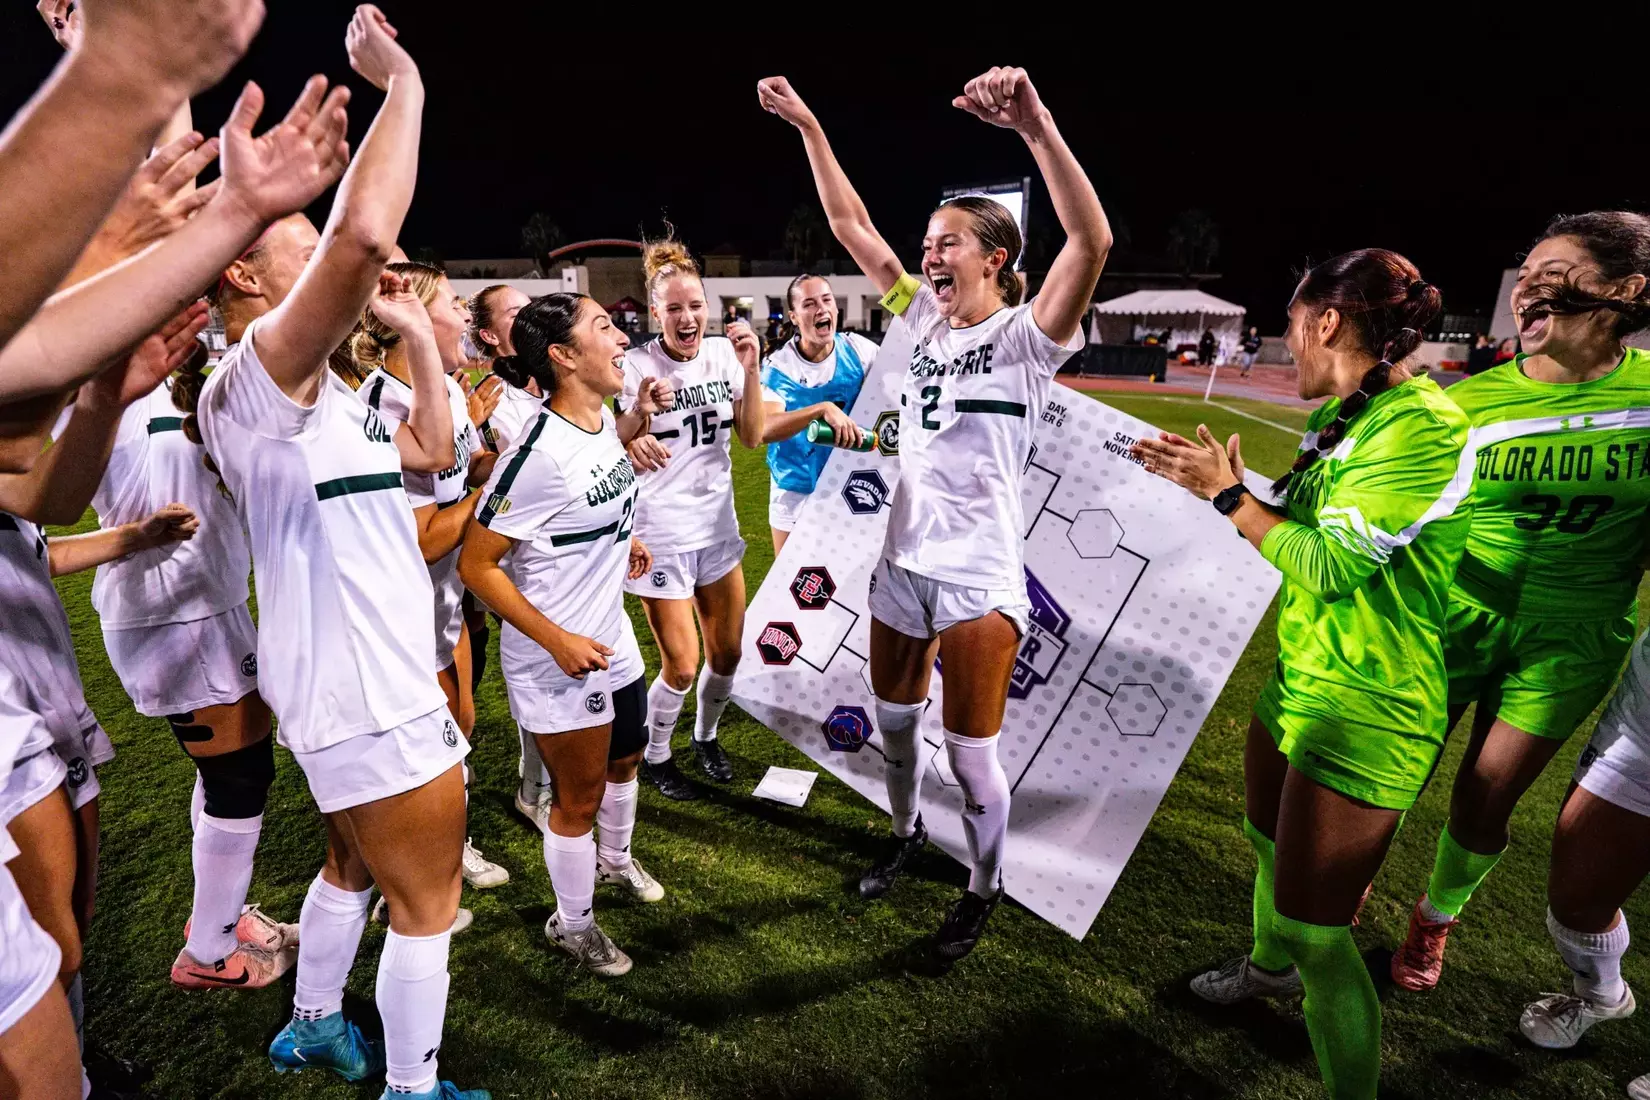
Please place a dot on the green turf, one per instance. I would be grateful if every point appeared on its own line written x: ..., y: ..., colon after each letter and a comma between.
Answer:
x: 760, y: 976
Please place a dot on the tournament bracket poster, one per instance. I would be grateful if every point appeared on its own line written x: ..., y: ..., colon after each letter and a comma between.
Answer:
x: 1142, y: 599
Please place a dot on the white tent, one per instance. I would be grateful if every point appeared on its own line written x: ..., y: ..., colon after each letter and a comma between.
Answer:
x: 1186, y: 313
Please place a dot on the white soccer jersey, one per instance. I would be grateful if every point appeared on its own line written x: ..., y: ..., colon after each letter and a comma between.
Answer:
x: 516, y: 410
x: 345, y: 607
x: 969, y: 400
x: 568, y: 498
x: 393, y: 398
x: 35, y: 642
x: 688, y: 505
x: 154, y: 464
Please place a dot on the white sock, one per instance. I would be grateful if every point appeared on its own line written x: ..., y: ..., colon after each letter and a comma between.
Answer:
x: 223, y: 851
x: 664, y: 705
x: 985, y: 817
x: 712, y: 701
x: 329, y: 930
x: 1432, y: 914
x: 897, y: 723
x: 412, y: 999
x: 616, y: 821
x: 571, y: 861
x: 1595, y: 959
x: 535, y: 777
x: 197, y: 805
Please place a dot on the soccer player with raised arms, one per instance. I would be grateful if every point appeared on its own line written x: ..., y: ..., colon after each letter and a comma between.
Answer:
x: 1545, y: 605
x: 1348, y: 729
x: 952, y: 580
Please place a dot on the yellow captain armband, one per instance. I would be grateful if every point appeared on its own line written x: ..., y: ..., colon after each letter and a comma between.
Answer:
x: 903, y: 290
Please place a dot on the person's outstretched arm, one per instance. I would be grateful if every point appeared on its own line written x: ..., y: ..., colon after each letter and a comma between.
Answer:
x: 850, y: 221
x: 1005, y: 97
x: 293, y: 342
x: 68, y: 154
x: 74, y: 553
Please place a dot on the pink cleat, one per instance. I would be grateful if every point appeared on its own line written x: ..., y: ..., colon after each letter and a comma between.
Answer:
x: 255, y: 928
x: 1420, y: 960
x: 246, y: 967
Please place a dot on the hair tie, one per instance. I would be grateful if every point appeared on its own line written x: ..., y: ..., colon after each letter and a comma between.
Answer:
x: 1418, y: 288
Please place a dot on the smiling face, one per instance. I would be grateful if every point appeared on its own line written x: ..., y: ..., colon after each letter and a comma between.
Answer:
x: 595, y: 358
x: 960, y: 269
x: 449, y: 316
x: 1550, y: 265
x: 814, y: 311
x: 505, y: 304
x: 680, y: 308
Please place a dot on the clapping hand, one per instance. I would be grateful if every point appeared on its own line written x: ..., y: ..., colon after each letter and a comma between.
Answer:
x: 287, y: 167
x: 152, y: 360
x: 1202, y: 467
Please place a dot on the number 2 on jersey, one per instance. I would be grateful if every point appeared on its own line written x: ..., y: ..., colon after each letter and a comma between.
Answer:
x: 627, y: 520
x: 931, y: 400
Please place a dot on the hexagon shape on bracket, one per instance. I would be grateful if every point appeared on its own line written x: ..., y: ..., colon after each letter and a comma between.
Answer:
x: 1095, y: 533
x: 847, y: 729
x: 1136, y: 710
x: 812, y: 587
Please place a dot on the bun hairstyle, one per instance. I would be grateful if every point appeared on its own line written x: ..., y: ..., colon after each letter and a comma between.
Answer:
x: 663, y: 260
x: 547, y: 321
x: 1619, y: 242
x: 186, y: 389
x: 996, y: 228
x: 373, y: 339
x: 1387, y: 304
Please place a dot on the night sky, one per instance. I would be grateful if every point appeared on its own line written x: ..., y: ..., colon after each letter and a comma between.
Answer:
x: 1452, y: 146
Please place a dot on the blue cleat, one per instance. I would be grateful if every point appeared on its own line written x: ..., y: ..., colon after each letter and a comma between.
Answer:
x: 329, y: 1043
x: 446, y: 1090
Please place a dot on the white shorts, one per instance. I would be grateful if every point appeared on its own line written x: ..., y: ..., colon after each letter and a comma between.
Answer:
x: 31, y: 780
x: 550, y: 701
x: 784, y: 506
x: 28, y: 956
x: 675, y: 576
x: 174, y: 668
x: 70, y: 761
x: 370, y: 766
x: 922, y: 607
x: 1615, y: 765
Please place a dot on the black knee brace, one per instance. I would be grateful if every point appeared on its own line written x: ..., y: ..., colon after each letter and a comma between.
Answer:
x: 629, y: 720
x: 237, y: 783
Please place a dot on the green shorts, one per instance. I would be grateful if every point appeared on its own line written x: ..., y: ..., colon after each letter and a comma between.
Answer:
x: 1549, y: 674
x: 1380, y: 766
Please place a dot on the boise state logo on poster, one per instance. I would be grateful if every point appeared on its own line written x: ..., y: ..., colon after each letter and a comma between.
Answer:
x: 778, y: 643
x: 1044, y: 643
x: 813, y: 587
x: 865, y: 492
x: 847, y: 729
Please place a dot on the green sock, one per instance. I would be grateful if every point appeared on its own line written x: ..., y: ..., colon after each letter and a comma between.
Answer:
x: 1343, y: 1015
x: 1456, y: 873
x: 1268, y: 953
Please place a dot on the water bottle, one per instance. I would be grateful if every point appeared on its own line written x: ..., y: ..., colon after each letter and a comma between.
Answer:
x: 819, y: 431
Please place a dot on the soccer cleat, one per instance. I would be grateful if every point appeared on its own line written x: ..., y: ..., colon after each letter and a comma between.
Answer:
x: 538, y: 813
x: 1558, y: 1021
x: 964, y: 924
x: 246, y: 967
x: 257, y: 928
x: 880, y: 879
x: 1420, y: 958
x: 328, y: 1043
x: 480, y: 873
x: 590, y: 948
x: 713, y: 760
x: 666, y: 776
x: 461, y: 921
x: 642, y: 886
x: 1240, y: 979
x: 446, y: 1090
x: 1358, y: 913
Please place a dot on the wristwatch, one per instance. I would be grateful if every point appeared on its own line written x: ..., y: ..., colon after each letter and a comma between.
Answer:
x: 1227, y: 500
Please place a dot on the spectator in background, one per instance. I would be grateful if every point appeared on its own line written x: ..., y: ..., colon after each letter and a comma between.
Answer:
x: 1206, y: 348
x: 1482, y: 356
x: 1508, y: 349
x: 1248, y: 349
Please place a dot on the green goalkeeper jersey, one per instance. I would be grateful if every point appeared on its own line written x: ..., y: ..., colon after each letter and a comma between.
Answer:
x: 1375, y: 532
x: 1563, y: 485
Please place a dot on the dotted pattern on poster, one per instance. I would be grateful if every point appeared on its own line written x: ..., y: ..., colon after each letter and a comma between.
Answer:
x: 1142, y: 599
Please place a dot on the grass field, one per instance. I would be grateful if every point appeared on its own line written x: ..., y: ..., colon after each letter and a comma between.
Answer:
x: 762, y: 975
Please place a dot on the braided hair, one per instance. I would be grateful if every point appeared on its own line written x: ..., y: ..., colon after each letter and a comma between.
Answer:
x: 1382, y: 296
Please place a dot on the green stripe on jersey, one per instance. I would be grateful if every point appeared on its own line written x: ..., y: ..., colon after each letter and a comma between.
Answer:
x: 584, y: 536
x: 357, y: 483
x: 165, y: 424
x: 377, y: 393
x: 500, y: 495
x: 1003, y: 408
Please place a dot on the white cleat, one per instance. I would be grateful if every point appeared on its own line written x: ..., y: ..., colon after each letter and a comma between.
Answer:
x: 632, y: 876
x: 1239, y: 980
x: 1639, y: 1088
x: 538, y: 813
x: 591, y: 948
x: 478, y: 872
x: 262, y: 931
x: 1558, y: 1020
x: 461, y: 921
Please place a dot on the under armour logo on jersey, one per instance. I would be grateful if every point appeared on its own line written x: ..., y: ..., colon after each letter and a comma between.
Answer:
x: 78, y: 771
x: 249, y: 665
x: 449, y: 734
x: 595, y: 702
x: 1586, y: 422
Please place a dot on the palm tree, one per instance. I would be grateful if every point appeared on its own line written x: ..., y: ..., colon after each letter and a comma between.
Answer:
x: 806, y: 235
x: 540, y: 237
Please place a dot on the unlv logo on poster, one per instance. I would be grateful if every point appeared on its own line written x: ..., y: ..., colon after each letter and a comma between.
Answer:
x: 813, y: 587
x: 778, y: 643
